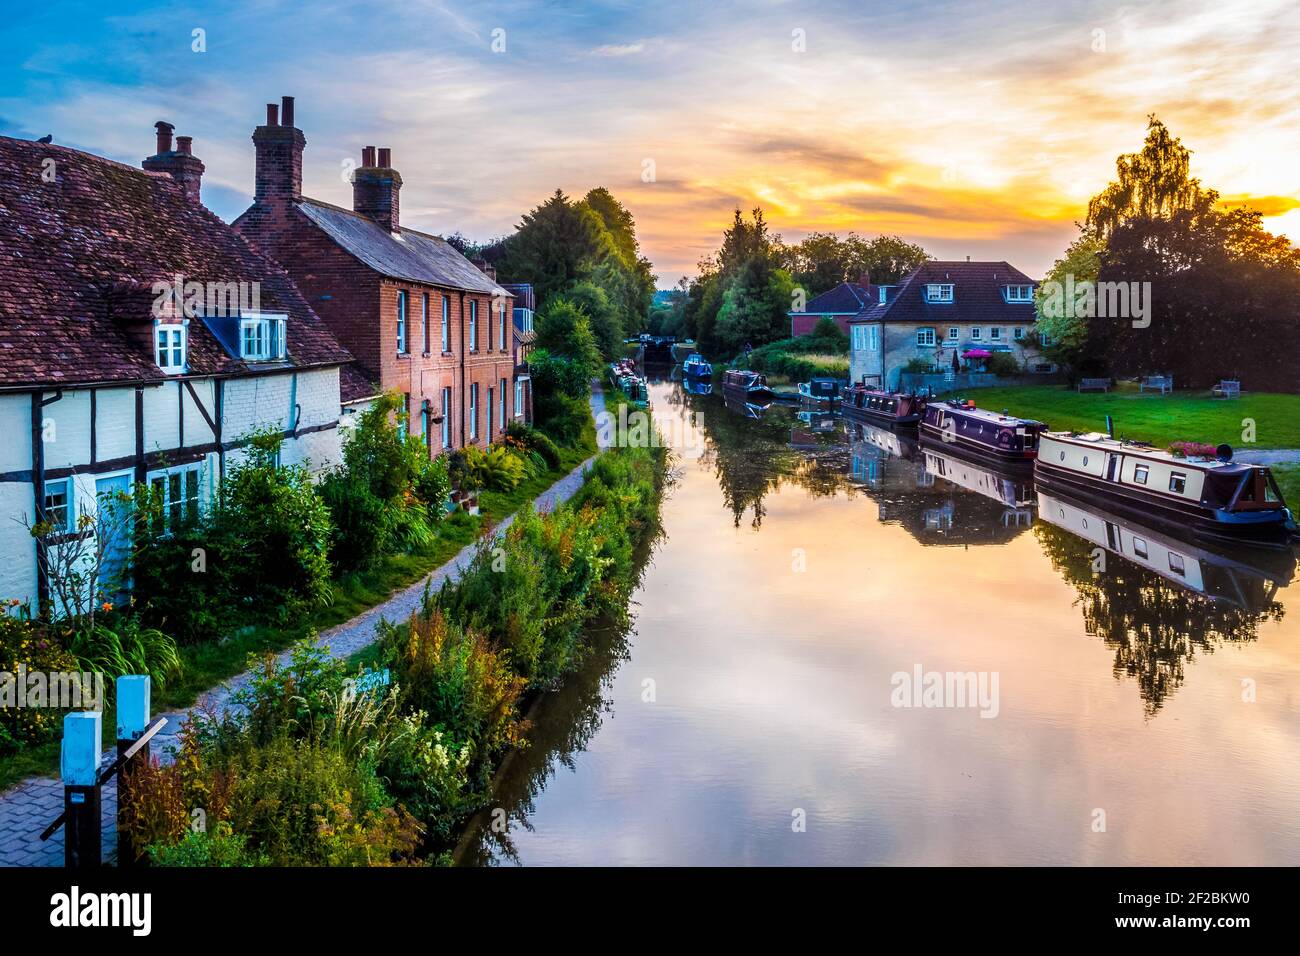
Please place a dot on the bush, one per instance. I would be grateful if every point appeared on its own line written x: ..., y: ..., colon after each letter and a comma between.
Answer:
x: 126, y: 648
x: 1002, y: 364
x: 563, y: 419
x: 362, y: 522
x: 494, y: 470
x: 433, y: 487
x: 32, y: 645
x: 537, y: 441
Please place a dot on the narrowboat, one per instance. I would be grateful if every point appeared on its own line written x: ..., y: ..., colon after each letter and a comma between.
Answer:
x: 742, y: 407
x: 697, y: 386
x: 820, y: 390
x: 624, y: 375
x: 976, y: 432
x: 696, y: 367
x: 1215, y: 497
x: 865, y: 403
x: 749, y: 387
x: 1248, y: 578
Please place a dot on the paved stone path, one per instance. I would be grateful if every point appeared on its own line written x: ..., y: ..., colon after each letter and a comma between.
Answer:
x: 29, y: 807
x: 1265, y: 456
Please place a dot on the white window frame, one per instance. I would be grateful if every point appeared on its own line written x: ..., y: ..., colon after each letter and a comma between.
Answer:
x: 403, y: 305
x: 859, y: 337
x: 995, y: 332
x: 939, y: 292
x: 270, y: 344
x: 446, y: 323
x: 883, y: 296
x: 873, y: 338
x: 425, y: 341
x: 954, y: 333
x: 446, y: 417
x: 1044, y: 339
x: 976, y: 333
x: 69, y: 505
x: 473, y: 410
x: 178, y: 334
x: 1020, y: 293
x: 519, y: 397
x: 925, y: 337
x: 1018, y: 333
x: 172, y: 507
x: 473, y: 325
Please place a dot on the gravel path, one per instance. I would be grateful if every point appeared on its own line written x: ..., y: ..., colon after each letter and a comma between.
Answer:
x: 28, y: 808
x: 1265, y: 456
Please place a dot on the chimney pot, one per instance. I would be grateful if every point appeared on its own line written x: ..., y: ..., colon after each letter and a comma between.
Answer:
x: 286, y: 111
x: 185, y: 144
x: 272, y: 114
x: 164, y: 136
x: 367, y: 156
x: 385, y: 157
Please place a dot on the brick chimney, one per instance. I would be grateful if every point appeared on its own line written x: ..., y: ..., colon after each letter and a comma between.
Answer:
x: 279, y: 146
x: 179, y: 163
x: 864, y: 280
x: 375, y: 188
x: 485, y: 267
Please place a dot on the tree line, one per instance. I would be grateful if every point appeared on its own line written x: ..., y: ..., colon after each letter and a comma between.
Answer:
x: 1220, y: 294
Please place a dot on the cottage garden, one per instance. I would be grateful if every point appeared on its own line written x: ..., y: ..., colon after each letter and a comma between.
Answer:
x: 315, y: 762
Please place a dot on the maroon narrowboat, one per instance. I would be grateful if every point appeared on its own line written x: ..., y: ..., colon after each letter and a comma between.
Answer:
x: 878, y: 407
x: 743, y: 385
x: 991, y: 436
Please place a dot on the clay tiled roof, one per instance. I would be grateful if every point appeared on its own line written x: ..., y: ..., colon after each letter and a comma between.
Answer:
x: 79, y: 255
x: 355, y: 384
x: 977, y: 296
x: 411, y: 255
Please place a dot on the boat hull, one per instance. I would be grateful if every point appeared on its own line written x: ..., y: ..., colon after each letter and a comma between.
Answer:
x: 874, y: 417
x: 1260, y: 528
x: 755, y: 395
x: 979, y: 451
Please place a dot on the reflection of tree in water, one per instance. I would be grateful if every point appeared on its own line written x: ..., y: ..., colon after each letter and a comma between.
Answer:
x: 1154, y: 625
x: 751, y: 457
x: 564, y: 721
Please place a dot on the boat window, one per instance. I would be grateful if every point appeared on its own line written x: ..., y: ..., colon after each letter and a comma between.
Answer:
x: 1140, y: 474
x: 1062, y: 456
x: 1270, y: 492
x: 1176, y: 563
x: 1085, y: 461
x: 1139, y: 547
x: 1177, y: 482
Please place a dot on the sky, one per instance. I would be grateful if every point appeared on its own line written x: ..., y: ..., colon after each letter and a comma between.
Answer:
x: 973, y: 128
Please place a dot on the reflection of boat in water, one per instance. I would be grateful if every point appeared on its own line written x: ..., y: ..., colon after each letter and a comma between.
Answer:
x: 749, y: 387
x: 980, y: 433
x: 895, y: 444
x: 1015, y: 490
x: 742, y: 407
x: 1211, y: 497
x: 1245, y: 577
x: 820, y: 391
x: 864, y: 403
x: 697, y: 386
x: 819, y: 421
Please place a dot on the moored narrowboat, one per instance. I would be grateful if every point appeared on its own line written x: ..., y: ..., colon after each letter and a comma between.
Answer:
x: 695, y: 366
x: 1013, y: 488
x: 822, y: 391
x: 867, y: 404
x: 986, y: 435
x: 1216, y: 497
x: 746, y: 386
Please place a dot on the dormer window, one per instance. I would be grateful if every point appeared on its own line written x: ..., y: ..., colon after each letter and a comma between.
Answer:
x: 884, y: 294
x: 1019, y: 293
x: 938, y: 292
x: 261, y: 337
x: 169, y: 347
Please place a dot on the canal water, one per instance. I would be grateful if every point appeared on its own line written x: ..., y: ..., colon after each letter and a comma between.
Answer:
x: 848, y: 649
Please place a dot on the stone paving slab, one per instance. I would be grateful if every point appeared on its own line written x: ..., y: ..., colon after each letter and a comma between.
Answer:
x: 26, y: 809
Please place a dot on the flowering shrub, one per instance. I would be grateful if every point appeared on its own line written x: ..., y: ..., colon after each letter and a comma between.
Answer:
x: 33, y: 647
x: 1192, y: 449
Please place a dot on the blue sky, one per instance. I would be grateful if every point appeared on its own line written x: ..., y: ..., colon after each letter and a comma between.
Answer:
x: 975, y: 129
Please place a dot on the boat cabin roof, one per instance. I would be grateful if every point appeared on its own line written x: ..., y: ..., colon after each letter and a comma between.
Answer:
x: 984, y: 415
x: 1101, y: 439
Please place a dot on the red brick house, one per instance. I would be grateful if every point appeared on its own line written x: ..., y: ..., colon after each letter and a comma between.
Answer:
x: 417, y: 315
x: 841, y: 303
x: 524, y: 341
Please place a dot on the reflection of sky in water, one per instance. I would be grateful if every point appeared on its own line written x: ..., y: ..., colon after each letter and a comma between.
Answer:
x: 773, y: 694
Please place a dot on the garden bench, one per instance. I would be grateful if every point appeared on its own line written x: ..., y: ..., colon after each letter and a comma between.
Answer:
x: 1165, y: 383
x: 1227, y: 388
x: 1094, y: 385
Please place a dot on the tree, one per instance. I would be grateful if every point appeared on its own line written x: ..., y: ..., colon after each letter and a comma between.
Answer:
x: 563, y: 329
x: 1067, y: 331
x: 557, y: 244
x: 603, y: 317
x: 823, y: 260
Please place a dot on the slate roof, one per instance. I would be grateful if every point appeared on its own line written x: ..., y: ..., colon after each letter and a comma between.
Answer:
x: 977, y: 296
x: 355, y: 384
x: 79, y: 256
x: 847, y: 298
x: 411, y: 255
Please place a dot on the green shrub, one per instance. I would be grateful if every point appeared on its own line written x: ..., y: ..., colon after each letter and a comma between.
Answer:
x: 537, y: 441
x: 126, y: 648
x: 220, y: 848
x: 563, y: 419
x: 32, y: 645
x: 362, y: 523
x: 1002, y: 364
x: 433, y: 487
x: 495, y: 469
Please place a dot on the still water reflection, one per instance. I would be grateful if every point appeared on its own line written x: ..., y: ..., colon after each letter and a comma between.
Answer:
x: 805, y: 562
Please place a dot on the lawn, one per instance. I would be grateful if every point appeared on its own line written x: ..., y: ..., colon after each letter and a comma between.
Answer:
x: 1149, y: 416
x: 1288, y: 479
